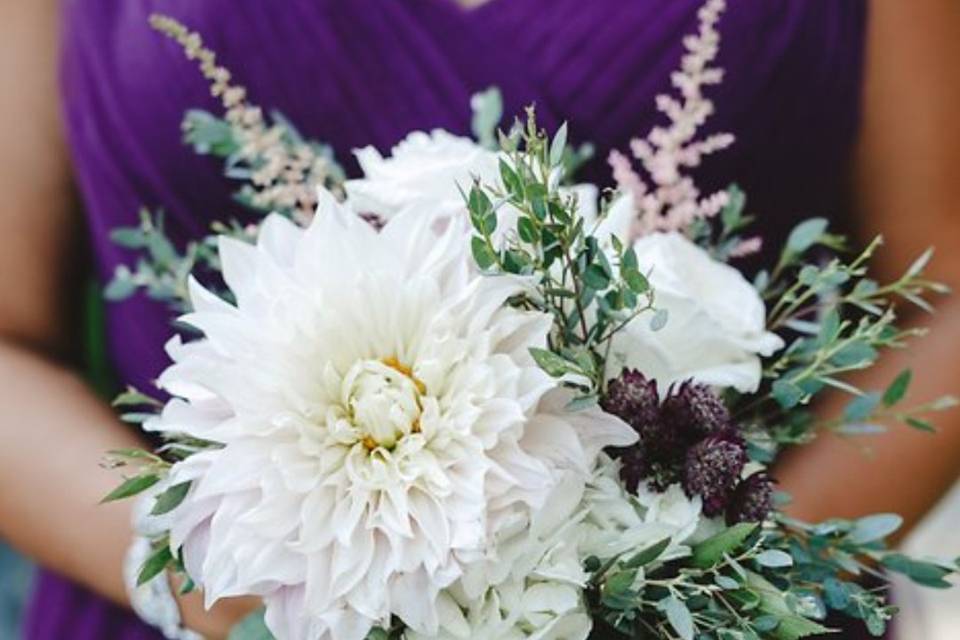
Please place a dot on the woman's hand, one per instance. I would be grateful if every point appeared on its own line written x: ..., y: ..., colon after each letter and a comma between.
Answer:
x: 216, y: 623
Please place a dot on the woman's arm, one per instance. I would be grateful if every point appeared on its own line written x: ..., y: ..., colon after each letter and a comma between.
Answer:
x: 908, y: 183
x: 53, y: 430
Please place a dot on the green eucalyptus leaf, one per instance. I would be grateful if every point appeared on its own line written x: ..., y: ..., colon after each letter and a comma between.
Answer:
x: 898, y: 388
x: 679, y: 616
x: 552, y: 363
x: 806, y: 234
x: 924, y: 573
x: 132, y: 486
x: 774, y: 559
x: 711, y: 551
x: 659, y: 319
x: 120, y: 288
x: 557, y: 145
x: 874, y: 527
x: 170, y: 498
x: 787, y: 394
x: 861, y: 407
x: 155, y: 564
x: 482, y: 254
x: 647, y: 555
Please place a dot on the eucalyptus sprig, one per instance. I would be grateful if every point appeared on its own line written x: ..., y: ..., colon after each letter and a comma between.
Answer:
x: 528, y: 225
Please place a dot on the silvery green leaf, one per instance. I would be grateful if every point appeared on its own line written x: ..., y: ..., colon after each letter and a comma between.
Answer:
x: 557, y: 145
x: 806, y: 234
x: 918, y: 265
x: 120, y: 288
x: 678, y: 615
x: 726, y: 582
x: 861, y: 407
x: 774, y: 558
x: 659, y: 319
x: 487, y: 107
x: 874, y: 527
x: 787, y: 393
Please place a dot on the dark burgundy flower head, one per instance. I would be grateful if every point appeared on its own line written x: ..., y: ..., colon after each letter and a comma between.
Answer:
x: 752, y: 500
x: 713, y: 468
x: 695, y: 411
x: 633, y: 398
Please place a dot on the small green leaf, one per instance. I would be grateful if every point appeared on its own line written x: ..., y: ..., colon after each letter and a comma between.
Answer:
x: 856, y: 353
x: 898, y: 388
x: 637, y: 282
x: 171, y: 498
x: 659, y: 319
x: 711, y: 551
x: 919, y: 264
x: 787, y: 394
x: 596, y: 278
x: 726, y: 582
x: 120, y: 288
x: 557, y: 145
x: 482, y: 254
x: 924, y: 573
x: 129, y: 237
x: 487, y: 107
x: 920, y: 424
x: 155, y: 564
x: 861, y: 407
x: 527, y: 230
x: 648, y: 555
x: 806, y: 234
x: 874, y: 527
x: 132, y: 486
x: 774, y: 559
x: 550, y: 362
x: 678, y: 615
x: 133, y: 398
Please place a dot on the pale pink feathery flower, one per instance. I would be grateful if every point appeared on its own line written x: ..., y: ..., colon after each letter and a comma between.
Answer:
x: 747, y: 247
x: 671, y: 201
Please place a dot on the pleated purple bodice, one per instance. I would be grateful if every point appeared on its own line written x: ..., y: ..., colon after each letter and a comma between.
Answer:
x: 357, y: 72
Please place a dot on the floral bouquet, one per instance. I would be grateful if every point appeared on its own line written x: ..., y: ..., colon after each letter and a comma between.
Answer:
x: 463, y: 396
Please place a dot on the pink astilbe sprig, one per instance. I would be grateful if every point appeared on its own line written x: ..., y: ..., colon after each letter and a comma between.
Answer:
x: 284, y: 174
x: 670, y: 201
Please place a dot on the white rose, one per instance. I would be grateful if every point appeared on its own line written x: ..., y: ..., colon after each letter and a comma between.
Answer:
x: 424, y: 169
x: 427, y: 172
x: 716, y: 327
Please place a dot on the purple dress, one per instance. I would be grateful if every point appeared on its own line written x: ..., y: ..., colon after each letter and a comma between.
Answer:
x: 369, y: 71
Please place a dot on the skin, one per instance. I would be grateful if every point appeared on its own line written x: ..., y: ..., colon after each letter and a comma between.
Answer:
x: 54, y: 431
x: 907, y: 188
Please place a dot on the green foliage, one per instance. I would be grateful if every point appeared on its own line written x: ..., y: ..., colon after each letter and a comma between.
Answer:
x: 161, y: 271
x: 487, y: 107
x: 591, y: 293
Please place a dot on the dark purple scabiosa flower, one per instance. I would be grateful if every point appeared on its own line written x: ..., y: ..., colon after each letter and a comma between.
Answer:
x: 713, y: 468
x: 633, y: 399
x: 695, y: 411
x: 752, y: 500
x: 658, y: 454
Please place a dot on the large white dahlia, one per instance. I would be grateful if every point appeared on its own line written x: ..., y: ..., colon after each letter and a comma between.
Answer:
x: 380, y: 415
